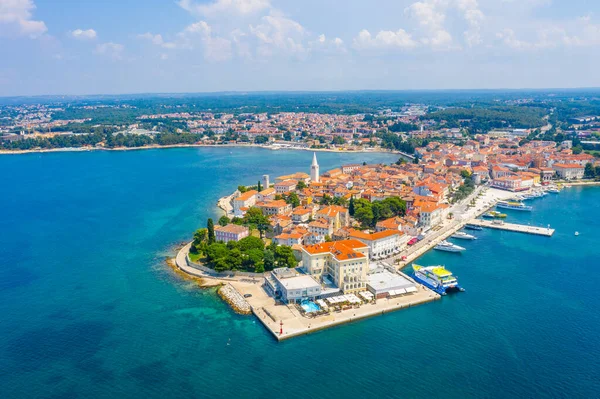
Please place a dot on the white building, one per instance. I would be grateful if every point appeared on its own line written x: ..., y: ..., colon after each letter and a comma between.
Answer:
x: 381, y: 244
x: 290, y: 286
x: 345, y: 262
x: 314, y: 169
x: 243, y: 202
x: 569, y: 172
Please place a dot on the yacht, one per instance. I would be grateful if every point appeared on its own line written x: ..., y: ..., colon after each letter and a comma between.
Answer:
x: 473, y: 227
x: 463, y: 236
x: 517, y: 206
x: 448, y: 247
x: 436, y: 278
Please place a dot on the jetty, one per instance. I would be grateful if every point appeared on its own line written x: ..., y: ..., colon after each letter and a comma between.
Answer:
x: 519, y: 228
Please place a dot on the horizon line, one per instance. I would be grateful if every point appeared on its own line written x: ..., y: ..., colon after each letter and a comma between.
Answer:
x: 250, y: 92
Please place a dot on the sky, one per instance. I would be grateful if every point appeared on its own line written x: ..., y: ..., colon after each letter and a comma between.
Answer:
x: 167, y: 46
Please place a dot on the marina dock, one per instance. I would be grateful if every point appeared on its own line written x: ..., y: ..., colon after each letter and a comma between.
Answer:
x: 519, y: 228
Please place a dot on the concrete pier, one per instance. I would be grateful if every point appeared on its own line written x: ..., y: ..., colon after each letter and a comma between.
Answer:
x: 519, y: 228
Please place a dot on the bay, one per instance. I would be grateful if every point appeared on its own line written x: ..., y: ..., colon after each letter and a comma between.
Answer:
x: 89, y: 309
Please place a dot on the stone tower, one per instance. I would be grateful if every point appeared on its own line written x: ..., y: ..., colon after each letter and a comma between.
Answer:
x: 314, y: 169
x: 265, y: 182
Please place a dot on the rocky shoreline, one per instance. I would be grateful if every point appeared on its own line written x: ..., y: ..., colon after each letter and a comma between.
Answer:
x: 234, y: 299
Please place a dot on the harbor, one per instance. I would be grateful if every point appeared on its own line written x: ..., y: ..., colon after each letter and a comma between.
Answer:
x: 287, y: 320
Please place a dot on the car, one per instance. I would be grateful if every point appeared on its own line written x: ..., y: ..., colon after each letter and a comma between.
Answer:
x: 247, y: 295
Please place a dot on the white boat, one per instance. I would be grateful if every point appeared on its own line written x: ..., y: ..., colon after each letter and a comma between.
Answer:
x: 448, y: 247
x: 519, y: 206
x: 576, y: 233
x: 553, y: 190
x: 463, y: 236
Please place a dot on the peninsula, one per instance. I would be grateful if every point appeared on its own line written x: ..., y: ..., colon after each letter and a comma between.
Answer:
x: 313, y: 250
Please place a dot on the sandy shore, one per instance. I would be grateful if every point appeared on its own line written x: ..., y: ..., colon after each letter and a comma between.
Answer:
x: 154, y: 147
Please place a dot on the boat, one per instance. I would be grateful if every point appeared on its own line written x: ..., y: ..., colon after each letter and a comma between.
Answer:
x: 448, y: 247
x: 517, y: 206
x: 436, y: 278
x: 494, y: 215
x: 463, y: 236
x: 576, y: 233
x: 553, y: 190
x: 473, y: 227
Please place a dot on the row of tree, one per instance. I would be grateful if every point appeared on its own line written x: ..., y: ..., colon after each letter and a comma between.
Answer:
x: 105, y: 135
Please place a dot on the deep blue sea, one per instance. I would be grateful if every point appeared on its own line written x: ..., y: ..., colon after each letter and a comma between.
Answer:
x: 88, y: 308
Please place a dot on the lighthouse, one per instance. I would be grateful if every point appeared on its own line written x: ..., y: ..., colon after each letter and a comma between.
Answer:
x: 314, y: 169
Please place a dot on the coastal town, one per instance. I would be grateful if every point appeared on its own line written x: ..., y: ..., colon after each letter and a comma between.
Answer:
x: 352, y: 230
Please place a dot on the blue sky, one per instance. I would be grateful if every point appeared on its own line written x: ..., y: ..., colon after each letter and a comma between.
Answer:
x: 134, y: 46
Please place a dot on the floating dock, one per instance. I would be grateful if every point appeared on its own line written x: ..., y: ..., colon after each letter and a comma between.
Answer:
x: 519, y: 228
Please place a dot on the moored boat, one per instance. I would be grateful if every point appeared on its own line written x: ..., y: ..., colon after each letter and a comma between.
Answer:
x: 517, y: 206
x: 494, y: 215
x: 469, y: 226
x: 436, y: 278
x: 448, y: 247
x: 463, y: 236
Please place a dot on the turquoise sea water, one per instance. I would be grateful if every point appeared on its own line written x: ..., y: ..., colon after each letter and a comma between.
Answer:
x: 88, y: 308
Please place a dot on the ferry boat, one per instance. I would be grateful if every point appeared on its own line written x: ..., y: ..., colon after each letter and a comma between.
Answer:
x: 436, y: 278
x: 473, y: 227
x: 448, y: 247
x: 517, y: 206
x: 463, y: 236
x: 494, y: 215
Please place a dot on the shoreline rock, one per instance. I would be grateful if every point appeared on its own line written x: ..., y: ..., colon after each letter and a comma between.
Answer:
x: 234, y: 299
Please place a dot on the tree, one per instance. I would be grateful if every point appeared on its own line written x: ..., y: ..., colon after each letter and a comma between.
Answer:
x: 364, y: 216
x: 328, y: 238
x: 224, y: 220
x: 242, y: 189
x: 589, y: 172
x: 216, y: 251
x: 259, y: 187
x: 465, y: 174
x: 284, y: 256
x: 234, y: 259
x: 301, y: 185
x: 200, y: 236
x: 210, y: 226
x: 351, y: 209
x: 287, y: 136
x: 293, y: 199
x: 254, y: 258
x: 249, y: 243
x: 327, y: 200
x: 269, y: 260
x: 338, y: 140
x: 254, y: 217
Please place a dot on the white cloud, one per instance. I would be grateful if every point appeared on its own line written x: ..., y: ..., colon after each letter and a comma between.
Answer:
x: 215, y: 48
x: 278, y: 33
x: 384, y: 39
x: 430, y: 15
x: 225, y: 7
x: 88, y: 34
x: 157, y: 40
x: 474, y: 17
x: 16, y: 19
x: 110, y: 49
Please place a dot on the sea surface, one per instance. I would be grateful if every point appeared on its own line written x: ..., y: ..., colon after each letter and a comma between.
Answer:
x: 88, y: 308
